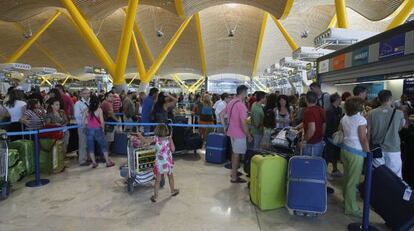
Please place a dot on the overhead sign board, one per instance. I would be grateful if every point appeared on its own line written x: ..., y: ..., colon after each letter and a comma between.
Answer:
x: 360, y: 56
x: 338, y: 62
x: 323, y: 66
x: 392, y: 47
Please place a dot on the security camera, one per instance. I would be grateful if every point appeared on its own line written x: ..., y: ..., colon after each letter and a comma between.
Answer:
x: 27, y: 35
x: 160, y: 33
x: 304, y: 34
x: 231, y: 33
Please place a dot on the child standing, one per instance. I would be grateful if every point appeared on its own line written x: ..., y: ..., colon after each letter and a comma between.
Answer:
x: 163, y: 160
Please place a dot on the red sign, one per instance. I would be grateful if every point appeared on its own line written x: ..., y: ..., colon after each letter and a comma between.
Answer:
x: 338, y: 62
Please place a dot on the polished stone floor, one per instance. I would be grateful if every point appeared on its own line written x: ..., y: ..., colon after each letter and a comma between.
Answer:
x: 85, y: 199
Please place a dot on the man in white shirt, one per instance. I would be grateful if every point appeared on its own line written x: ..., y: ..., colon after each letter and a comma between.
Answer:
x: 219, y: 106
x: 80, y: 107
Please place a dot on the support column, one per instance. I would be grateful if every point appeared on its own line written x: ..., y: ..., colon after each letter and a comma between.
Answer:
x: 285, y: 34
x: 333, y: 22
x: 341, y: 15
x: 124, y: 43
x: 403, y: 15
x: 259, y: 43
x: 200, y: 45
x: 28, y: 43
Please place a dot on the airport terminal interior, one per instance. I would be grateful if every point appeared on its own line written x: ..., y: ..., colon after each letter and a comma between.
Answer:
x: 207, y: 115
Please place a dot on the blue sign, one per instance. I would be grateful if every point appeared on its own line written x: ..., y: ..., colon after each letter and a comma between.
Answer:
x: 373, y: 89
x: 360, y: 56
x: 392, y: 47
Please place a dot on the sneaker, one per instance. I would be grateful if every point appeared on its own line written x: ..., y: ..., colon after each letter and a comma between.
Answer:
x: 336, y: 173
x: 84, y: 164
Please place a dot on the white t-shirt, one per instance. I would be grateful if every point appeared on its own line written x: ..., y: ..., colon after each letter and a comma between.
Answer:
x: 219, y: 106
x: 350, y: 126
x: 16, y: 112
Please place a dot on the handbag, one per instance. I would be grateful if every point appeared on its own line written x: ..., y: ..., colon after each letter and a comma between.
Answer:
x: 338, y: 137
x: 57, y: 135
x: 376, y: 149
x: 280, y: 140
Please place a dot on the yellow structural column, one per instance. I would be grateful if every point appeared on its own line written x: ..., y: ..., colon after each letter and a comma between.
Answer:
x: 89, y: 36
x: 259, y: 43
x: 200, y: 45
x: 125, y: 43
x: 179, y: 82
x: 402, y: 16
x: 197, y: 82
x: 340, y: 7
x: 28, y: 43
x: 195, y: 88
x: 164, y: 53
x: 141, y: 40
x: 333, y: 22
x: 179, y: 8
x: 138, y: 57
x: 285, y: 34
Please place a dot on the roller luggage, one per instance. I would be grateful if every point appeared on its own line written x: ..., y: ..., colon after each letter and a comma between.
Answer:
x: 395, y: 204
x: 58, y: 153
x: 306, y: 190
x: 193, y: 141
x: 120, y: 144
x: 26, y: 153
x: 248, y: 157
x: 216, y: 148
x: 268, y: 181
x: 73, y: 144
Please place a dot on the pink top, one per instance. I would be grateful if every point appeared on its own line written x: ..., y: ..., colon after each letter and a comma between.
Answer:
x: 93, y: 121
x: 236, y: 115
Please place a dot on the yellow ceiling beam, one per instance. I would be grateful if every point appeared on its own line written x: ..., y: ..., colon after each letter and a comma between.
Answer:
x: 47, y: 81
x: 197, y: 82
x: 179, y: 8
x: 285, y: 34
x: 141, y: 40
x: 29, y: 42
x: 333, y: 22
x: 403, y: 14
x: 89, y: 36
x: 179, y: 82
x: 132, y: 80
x: 288, y: 7
x: 200, y: 45
x: 341, y: 15
x: 125, y: 43
x: 66, y: 79
x: 259, y: 43
x: 195, y: 88
x: 138, y: 57
x: 164, y: 53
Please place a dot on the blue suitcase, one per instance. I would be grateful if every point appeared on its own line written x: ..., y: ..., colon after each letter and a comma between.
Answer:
x: 216, y: 148
x: 120, y: 144
x: 306, y: 193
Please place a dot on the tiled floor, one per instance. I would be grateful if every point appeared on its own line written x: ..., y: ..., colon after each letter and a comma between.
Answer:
x: 82, y: 198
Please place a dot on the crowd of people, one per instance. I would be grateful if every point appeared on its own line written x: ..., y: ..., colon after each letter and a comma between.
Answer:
x: 249, y: 120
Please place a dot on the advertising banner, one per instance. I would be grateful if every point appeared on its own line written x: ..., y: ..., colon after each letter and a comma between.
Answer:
x: 360, y: 56
x: 338, y: 62
x: 323, y: 66
x: 408, y: 88
x: 392, y: 47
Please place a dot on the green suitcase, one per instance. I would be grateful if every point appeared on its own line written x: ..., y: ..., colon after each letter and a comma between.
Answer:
x: 13, y: 157
x: 52, y: 156
x: 58, y: 156
x: 15, y: 173
x: 268, y: 181
x: 26, y: 152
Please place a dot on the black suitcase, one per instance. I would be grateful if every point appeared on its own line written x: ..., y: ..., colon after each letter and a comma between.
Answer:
x: 193, y: 141
x: 407, y: 154
x: 73, y: 144
x: 390, y: 198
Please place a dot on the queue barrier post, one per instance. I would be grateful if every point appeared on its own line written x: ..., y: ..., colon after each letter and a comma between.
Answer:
x: 37, y: 182
x: 365, y: 226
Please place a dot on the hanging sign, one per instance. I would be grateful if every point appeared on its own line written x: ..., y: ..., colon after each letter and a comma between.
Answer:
x: 360, y: 56
x: 338, y: 62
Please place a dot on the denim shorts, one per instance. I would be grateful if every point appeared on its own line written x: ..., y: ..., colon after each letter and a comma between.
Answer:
x: 96, y: 135
x: 314, y: 149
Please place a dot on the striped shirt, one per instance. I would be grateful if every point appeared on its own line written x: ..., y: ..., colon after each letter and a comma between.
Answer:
x: 35, y: 120
x: 116, y: 102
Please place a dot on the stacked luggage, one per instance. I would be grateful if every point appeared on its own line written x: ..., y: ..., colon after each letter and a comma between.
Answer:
x: 120, y: 144
x: 184, y: 138
x: 25, y: 148
x: 16, y: 167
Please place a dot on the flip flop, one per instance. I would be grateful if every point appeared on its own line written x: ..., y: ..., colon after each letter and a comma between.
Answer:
x: 153, y: 199
x: 175, y: 192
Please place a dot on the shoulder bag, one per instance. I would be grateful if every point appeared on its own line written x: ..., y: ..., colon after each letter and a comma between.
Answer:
x: 375, y: 149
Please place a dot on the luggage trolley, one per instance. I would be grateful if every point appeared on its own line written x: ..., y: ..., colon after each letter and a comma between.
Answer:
x: 4, y: 166
x: 140, y: 165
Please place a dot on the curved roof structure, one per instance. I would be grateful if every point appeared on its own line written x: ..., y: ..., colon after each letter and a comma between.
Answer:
x: 62, y: 47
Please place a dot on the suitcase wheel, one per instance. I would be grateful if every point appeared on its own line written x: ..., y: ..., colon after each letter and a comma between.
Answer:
x: 130, y: 185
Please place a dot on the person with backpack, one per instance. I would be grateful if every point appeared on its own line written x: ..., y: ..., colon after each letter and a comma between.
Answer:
x: 384, y: 124
x: 323, y: 98
x: 94, y: 122
x: 269, y: 122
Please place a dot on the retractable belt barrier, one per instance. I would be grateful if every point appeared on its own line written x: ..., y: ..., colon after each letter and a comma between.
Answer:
x: 169, y: 124
x: 365, y: 226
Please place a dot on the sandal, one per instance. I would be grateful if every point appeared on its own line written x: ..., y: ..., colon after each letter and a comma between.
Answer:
x: 94, y: 165
x: 238, y: 180
x: 153, y: 199
x: 175, y: 192
x: 110, y: 164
